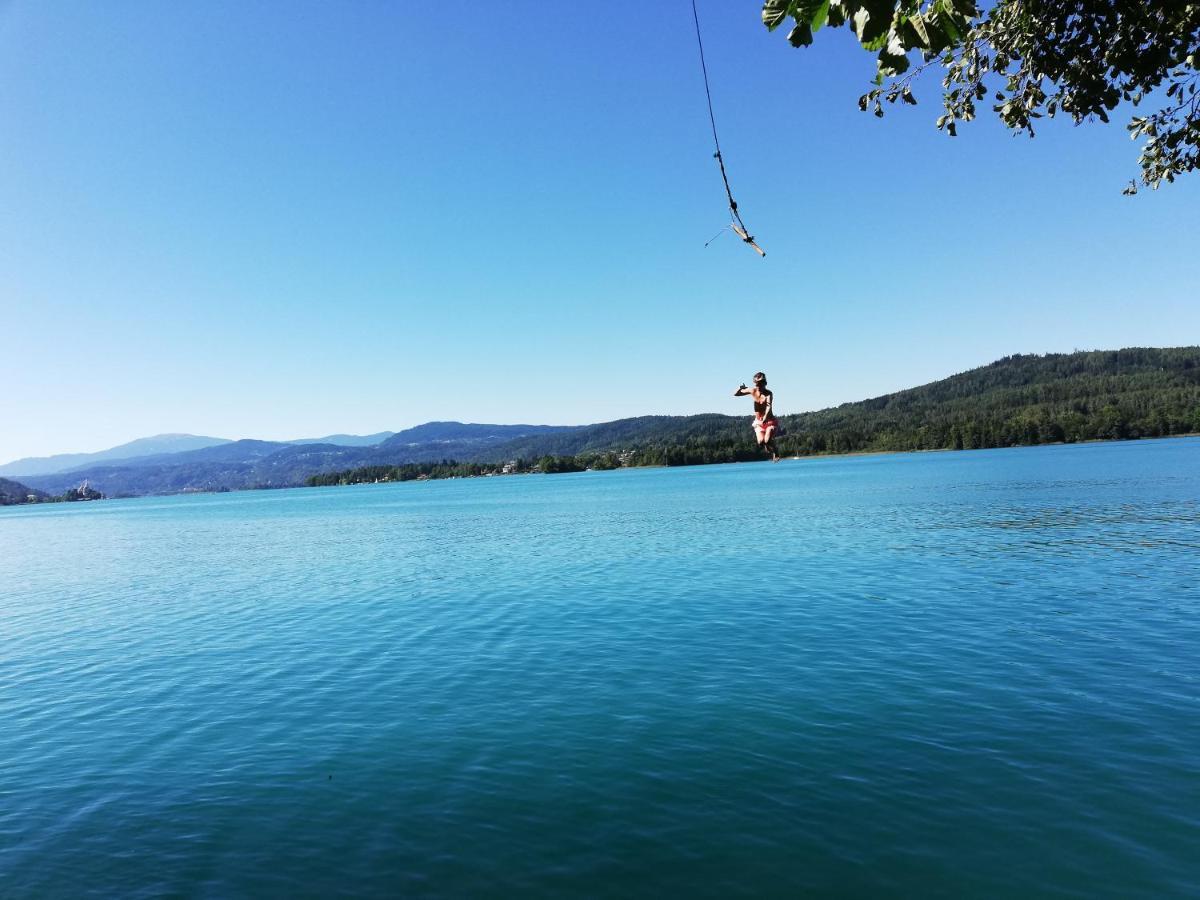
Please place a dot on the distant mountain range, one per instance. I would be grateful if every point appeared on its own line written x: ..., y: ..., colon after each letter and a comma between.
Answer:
x: 252, y: 464
x: 152, y: 450
x: 347, y: 440
x: 1136, y: 392
x: 458, y: 432
x: 149, y: 446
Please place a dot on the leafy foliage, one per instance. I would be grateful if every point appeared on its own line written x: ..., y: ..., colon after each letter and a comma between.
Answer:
x: 1036, y: 58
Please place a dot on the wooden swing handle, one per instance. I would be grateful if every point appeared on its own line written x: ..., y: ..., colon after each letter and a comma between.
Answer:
x: 749, y: 240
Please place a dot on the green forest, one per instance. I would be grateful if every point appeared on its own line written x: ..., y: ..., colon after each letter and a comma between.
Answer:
x: 1020, y: 401
x: 1016, y: 401
x: 451, y: 469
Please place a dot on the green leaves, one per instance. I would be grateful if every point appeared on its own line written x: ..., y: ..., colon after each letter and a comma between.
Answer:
x: 917, y: 23
x: 872, y: 21
x: 1076, y: 58
x: 950, y: 22
x: 809, y: 16
x: 893, y: 59
x: 775, y: 11
x: 801, y: 35
x: 878, y: 24
x: 892, y: 27
x: 819, y: 15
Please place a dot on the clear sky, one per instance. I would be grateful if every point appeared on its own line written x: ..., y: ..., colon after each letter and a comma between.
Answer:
x: 282, y: 220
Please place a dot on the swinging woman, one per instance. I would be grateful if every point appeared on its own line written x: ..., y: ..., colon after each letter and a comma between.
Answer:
x: 765, y: 423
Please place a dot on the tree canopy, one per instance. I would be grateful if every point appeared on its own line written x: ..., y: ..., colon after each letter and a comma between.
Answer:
x: 1035, y: 58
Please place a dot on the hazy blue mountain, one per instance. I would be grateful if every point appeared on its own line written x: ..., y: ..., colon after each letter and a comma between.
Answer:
x: 412, y: 445
x: 619, y: 434
x: 234, y: 452
x: 148, y: 446
x: 432, y: 432
x: 347, y: 440
x: 243, y: 451
x: 15, y: 492
x: 245, y: 464
x: 255, y: 464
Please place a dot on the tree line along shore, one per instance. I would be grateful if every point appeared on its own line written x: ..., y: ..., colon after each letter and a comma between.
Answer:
x: 1016, y: 401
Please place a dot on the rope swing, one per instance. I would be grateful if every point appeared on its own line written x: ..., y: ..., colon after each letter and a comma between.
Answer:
x: 738, y: 226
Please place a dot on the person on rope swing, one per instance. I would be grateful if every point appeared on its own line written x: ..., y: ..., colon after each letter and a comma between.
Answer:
x: 765, y: 423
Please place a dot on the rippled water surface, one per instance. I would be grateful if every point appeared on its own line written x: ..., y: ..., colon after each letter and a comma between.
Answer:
x: 914, y: 675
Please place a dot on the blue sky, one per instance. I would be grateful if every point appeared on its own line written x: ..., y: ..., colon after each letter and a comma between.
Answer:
x: 285, y: 220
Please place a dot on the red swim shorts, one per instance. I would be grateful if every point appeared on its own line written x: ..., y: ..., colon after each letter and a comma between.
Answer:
x: 761, y: 425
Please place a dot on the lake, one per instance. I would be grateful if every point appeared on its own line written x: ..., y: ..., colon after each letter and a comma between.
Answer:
x: 920, y: 675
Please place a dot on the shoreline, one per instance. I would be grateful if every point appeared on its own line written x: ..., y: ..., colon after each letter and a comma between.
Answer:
x: 1161, y: 437
x: 849, y: 453
x: 813, y: 456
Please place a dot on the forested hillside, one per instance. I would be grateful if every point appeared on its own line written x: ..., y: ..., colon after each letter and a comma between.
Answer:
x: 1016, y: 401
x: 643, y: 431
x: 1021, y: 400
x: 460, y: 433
x: 13, y: 492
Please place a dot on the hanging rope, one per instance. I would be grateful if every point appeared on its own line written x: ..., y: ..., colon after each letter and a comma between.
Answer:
x: 714, y: 237
x: 737, y: 224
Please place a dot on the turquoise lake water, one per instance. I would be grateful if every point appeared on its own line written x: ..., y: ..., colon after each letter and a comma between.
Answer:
x: 920, y: 675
